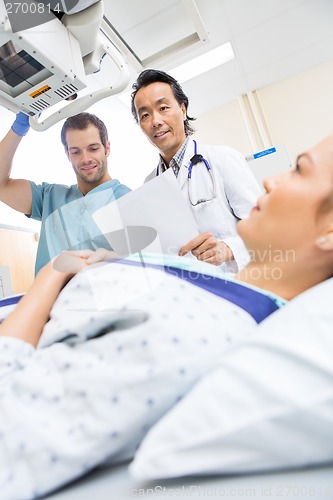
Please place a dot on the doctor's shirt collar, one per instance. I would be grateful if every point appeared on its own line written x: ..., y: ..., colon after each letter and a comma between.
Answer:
x: 176, y: 161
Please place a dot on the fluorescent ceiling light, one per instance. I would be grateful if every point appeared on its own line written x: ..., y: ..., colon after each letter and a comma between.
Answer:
x: 205, y: 62
x: 197, y: 66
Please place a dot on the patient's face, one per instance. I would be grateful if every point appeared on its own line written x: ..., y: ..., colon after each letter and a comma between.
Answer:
x: 297, y: 205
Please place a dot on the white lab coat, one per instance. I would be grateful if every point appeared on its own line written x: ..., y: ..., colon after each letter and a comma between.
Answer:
x: 237, y: 192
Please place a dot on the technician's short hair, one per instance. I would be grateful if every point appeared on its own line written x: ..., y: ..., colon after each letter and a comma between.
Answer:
x: 81, y: 122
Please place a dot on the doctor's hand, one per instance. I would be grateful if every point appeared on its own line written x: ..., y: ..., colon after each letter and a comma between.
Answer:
x: 207, y: 248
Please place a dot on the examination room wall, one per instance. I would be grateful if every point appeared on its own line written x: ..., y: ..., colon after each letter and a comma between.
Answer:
x: 296, y: 112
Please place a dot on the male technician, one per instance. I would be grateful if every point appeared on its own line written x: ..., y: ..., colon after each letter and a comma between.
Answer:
x: 65, y: 211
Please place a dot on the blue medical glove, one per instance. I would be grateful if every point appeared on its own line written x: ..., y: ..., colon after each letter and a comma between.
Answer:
x: 21, y: 124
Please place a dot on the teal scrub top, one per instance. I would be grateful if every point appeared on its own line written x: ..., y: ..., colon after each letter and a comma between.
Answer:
x: 66, y: 217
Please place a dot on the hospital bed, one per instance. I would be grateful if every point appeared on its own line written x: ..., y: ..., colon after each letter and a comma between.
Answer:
x: 310, y: 452
x: 314, y: 481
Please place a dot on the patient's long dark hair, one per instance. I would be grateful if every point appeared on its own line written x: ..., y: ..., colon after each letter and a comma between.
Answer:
x: 149, y: 76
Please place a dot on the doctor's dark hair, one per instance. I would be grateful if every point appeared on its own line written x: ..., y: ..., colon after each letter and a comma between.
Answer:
x: 81, y: 122
x: 149, y: 76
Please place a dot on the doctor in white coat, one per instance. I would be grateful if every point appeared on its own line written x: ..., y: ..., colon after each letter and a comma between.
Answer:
x: 215, y: 180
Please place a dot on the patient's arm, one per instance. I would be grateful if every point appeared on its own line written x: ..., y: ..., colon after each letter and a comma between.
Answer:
x: 95, y: 256
x: 27, y: 320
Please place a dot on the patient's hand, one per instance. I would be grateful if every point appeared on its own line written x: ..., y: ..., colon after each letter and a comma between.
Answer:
x: 72, y: 261
x: 100, y: 255
x: 69, y: 262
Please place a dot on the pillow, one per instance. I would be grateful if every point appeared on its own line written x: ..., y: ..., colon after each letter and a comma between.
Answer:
x: 268, y: 405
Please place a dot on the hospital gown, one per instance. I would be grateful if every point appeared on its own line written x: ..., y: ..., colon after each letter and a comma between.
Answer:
x: 125, y: 342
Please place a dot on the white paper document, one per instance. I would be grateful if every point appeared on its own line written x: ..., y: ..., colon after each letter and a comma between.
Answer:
x: 152, y: 218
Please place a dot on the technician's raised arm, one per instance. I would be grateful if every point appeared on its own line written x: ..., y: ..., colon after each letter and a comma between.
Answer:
x: 16, y: 193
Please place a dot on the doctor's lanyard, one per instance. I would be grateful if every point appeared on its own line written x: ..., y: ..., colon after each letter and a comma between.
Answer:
x: 197, y: 158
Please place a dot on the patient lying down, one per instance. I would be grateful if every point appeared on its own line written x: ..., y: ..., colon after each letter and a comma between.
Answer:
x: 174, y: 359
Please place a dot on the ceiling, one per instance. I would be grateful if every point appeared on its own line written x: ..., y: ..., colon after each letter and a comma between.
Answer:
x: 272, y: 40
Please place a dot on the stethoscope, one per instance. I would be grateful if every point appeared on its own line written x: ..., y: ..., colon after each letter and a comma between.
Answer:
x: 197, y: 158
